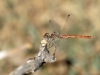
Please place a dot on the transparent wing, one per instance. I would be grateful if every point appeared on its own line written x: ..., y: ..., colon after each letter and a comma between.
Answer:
x: 70, y: 21
x: 55, y: 26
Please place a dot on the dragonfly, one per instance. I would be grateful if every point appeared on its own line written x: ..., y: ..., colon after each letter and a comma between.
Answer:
x: 50, y: 38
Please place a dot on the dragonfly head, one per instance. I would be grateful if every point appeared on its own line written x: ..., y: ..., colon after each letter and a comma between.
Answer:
x: 46, y: 35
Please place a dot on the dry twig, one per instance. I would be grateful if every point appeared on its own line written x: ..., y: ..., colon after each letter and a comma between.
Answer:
x: 33, y: 64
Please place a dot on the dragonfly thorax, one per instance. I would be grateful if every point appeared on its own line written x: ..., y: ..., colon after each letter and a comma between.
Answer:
x: 55, y: 35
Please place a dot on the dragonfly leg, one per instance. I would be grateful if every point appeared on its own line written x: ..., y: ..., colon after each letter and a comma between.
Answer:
x: 51, y: 44
x: 55, y: 49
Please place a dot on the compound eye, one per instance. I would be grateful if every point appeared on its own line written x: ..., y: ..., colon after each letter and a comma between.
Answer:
x: 45, y: 35
x: 48, y: 34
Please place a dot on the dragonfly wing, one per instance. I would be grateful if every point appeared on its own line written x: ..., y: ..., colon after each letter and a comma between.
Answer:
x: 70, y: 21
x: 55, y: 26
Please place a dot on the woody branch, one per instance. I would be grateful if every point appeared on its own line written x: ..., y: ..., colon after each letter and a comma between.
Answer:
x: 33, y: 64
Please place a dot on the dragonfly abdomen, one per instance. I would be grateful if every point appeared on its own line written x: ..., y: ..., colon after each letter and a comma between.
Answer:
x: 75, y: 36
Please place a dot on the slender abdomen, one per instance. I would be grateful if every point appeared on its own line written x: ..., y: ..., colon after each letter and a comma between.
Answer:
x: 76, y: 36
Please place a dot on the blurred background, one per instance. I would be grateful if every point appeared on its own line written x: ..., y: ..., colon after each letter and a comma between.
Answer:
x: 24, y: 22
